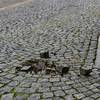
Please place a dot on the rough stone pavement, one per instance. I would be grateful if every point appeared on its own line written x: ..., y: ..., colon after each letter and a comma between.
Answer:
x: 6, y: 3
x: 69, y: 28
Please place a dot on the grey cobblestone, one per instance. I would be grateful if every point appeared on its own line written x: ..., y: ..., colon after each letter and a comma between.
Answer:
x: 79, y: 96
x: 96, y: 95
x: 58, y: 98
x: 55, y: 88
x: 18, y: 89
x: 47, y: 84
x: 47, y: 95
x: 21, y: 97
x: 44, y: 89
x: 59, y: 93
x: 69, y: 97
x: 7, y: 97
x: 34, y: 97
x: 13, y: 83
x: 5, y: 89
x: 54, y: 79
x: 70, y: 91
x: 69, y: 30
x: 1, y: 85
x: 88, y: 98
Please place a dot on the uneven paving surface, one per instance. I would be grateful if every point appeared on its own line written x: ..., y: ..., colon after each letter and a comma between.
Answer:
x: 68, y: 28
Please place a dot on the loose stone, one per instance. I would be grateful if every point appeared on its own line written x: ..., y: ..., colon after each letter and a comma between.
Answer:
x: 85, y: 70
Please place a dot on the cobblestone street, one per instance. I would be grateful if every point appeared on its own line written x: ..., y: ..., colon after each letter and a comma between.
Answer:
x: 69, y: 30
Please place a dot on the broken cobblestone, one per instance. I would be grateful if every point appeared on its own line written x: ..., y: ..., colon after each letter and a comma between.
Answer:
x: 69, y: 30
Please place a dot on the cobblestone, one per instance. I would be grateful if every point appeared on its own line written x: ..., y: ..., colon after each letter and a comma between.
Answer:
x: 69, y: 97
x: 1, y: 85
x: 13, y: 84
x: 47, y: 95
x: 7, y: 97
x: 79, y: 96
x: 59, y: 93
x: 34, y: 97
x: 69, y: 30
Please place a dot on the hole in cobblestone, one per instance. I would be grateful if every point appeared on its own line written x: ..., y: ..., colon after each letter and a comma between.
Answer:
x: 65, y: 70
x: 36, y: 65
x: 44, y: 54
x: 42, y: 65
x: 30, y: 65
x: 62, y: 68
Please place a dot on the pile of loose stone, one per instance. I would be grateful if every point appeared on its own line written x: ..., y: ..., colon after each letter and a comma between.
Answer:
x: 44, y: 63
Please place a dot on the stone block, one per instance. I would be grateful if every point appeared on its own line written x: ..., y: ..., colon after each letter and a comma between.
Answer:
x: 85, y: 70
